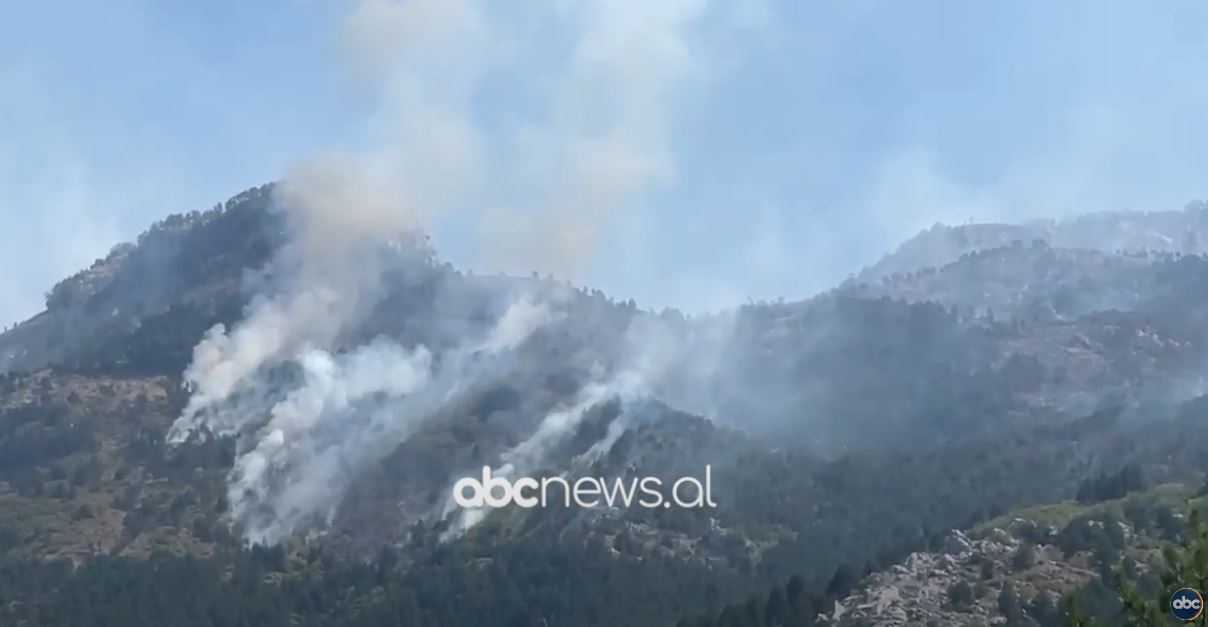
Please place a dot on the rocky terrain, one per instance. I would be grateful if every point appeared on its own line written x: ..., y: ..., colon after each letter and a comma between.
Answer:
x: 1183, y: 232
x: 850, y: 429
x: 1020, y: 568
x: 920, y: 590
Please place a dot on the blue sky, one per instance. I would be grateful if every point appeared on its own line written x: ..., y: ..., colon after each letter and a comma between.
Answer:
x: 818, y: 135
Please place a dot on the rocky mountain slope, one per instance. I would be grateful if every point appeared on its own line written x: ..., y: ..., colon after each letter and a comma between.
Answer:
x: 1184, y: 232
x: 852, y: 428
x: 1019, y: 569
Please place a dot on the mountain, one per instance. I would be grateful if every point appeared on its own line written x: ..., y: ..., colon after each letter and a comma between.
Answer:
x: 1184, y: 232
x: 1022, y: 568
x: 976, y: 371
x: 185, y: 265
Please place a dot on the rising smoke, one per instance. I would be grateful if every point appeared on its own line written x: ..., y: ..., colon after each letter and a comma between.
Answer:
x: 540, y: 193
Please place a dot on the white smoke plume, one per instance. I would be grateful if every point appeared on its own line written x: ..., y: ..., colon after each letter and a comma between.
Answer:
x: 554, y: 428
x: 350, y: 412
x: 607, y: 137
x: 544, y: 190
x: 654, y: 354
x: 305, y: 440
x: 540, y: 193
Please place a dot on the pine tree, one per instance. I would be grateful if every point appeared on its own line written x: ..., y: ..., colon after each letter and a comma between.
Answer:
x: 1075, y: 616
x: 1186, y: 566
x: 1008, y: 602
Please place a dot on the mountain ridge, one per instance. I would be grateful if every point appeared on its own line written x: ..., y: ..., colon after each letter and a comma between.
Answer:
x: 893, y: 410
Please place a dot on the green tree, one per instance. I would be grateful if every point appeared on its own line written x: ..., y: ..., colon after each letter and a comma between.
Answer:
x: 1186, y: 566
x: 1075, y: 616
x: 1008, y: 602
x: 987, y: 569
x: 961, y: 595
x: 1025, y: 557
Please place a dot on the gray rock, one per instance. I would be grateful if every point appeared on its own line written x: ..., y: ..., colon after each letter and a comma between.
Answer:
x: 956, y: 543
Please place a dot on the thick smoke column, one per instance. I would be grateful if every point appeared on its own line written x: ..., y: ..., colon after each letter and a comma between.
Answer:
x: 351, y: 215
x: 607, y: 137
x: 350, y: 412
x: 541, y: 192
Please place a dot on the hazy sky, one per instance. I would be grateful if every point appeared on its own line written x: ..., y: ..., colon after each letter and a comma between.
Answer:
x: 819, y: 135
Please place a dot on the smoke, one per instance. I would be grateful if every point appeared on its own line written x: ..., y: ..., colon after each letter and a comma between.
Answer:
x: 312, y: 413
x: 607, y: 137
x: 553, y: 430
x: 351, y: 411
x: 308, y: 436
x: 539, y: 192
x: 660, y: 358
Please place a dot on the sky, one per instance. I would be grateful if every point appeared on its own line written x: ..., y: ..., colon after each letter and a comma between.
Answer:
x: 793, y: 144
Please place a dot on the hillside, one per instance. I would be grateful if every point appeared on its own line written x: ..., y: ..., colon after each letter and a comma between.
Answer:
x: 846, y: 432
x: 1184, y: 232
x: 1019, y: 569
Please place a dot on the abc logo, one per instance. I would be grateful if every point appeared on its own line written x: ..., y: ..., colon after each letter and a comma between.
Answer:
x: 494, y: 491
x: 1187, y: 604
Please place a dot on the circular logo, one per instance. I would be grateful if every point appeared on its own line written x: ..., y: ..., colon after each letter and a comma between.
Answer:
x: 1187, y: 604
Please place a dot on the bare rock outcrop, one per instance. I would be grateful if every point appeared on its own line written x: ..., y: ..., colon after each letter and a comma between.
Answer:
x: 960, y: 584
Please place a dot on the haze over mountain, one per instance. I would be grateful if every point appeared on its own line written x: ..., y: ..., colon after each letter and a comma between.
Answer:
x: 482, y: 220
x: 806, y: 139
x: 228, y: 379
x: 1161, y: 231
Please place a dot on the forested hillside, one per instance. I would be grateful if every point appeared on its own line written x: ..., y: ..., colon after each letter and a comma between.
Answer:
x: 845, y: 433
